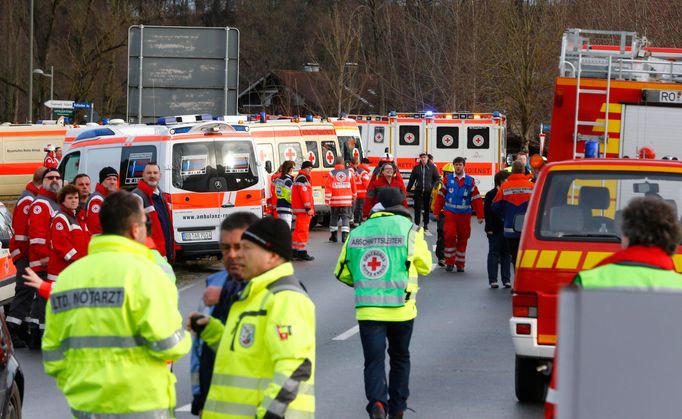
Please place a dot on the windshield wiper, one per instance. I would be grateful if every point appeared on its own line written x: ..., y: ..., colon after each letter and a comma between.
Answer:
x: 602, y: 235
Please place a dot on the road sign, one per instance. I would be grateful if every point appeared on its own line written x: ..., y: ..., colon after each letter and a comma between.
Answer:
x: 63, y: 112
x: 59, y: 104
x: 82, y: 105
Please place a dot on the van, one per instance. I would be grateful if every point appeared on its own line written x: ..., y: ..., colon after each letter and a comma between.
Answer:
x: 572, y: 223
x: 22, y: 152
x: 206, y: 173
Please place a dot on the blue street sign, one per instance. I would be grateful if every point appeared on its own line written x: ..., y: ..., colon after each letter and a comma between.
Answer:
x: 82, y: 105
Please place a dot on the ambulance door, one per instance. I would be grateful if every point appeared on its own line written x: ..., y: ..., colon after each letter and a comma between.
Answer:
x: 444, y: 141
x: 480, y: 154
x: 196, y: 198
x: 377, y: 139
x: 407, y: 141
x: 237, y: 169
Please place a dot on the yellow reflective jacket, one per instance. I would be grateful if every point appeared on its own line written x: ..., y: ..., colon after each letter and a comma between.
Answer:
x: 420, y: 264
x: 265, y: 353
x: 112, y: 322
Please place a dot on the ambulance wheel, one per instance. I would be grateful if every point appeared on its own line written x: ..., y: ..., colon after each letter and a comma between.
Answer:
x: 530, y: 385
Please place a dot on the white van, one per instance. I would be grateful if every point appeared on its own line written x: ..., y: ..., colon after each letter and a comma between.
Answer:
x: 206, y: 173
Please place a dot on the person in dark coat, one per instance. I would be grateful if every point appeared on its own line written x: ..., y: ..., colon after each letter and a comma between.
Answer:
x: 424, y: 175
x: 498, y: 252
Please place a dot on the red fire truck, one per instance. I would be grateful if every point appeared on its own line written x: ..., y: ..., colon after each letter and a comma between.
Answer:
x: 617, y: 102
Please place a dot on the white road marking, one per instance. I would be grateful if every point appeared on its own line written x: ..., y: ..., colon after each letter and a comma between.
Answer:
x: 186, y: 408
x: 186, y: 287
x: 348, y: 333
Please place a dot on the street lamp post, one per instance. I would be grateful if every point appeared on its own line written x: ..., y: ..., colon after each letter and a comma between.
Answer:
x: 30, y: 64
x: 51, y: 76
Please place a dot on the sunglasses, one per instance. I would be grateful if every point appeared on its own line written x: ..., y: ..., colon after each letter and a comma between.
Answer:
x: 53, y: 177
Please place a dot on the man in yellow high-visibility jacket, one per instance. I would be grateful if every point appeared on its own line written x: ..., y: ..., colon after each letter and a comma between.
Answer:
x: 265, y: 353
x: 112, y: 322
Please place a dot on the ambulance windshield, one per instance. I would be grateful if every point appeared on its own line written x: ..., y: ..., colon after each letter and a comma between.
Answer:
x: 214, y: 166
x: 588, y: 205
x: 351, y: 146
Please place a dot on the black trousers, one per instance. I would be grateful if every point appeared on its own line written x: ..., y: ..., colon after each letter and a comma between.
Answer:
x: 422, y: 203
x: 23, y: 297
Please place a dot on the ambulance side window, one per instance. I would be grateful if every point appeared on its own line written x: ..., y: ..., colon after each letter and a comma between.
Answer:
x: 351, y: 147
x: 290, y: 151
x: 313, y: 153
x: 133, y: 161
x: 478, y: 138
x: 236, y: 164
x: 70, y: 166
x: 329, y: 153
x: 408, y: 135
x: 193, y: 166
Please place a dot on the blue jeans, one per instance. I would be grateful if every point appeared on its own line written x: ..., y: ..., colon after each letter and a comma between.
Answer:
x: 498, y: 254
x: 374, y: 335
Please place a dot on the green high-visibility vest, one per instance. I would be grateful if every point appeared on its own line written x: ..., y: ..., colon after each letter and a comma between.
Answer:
x: 378, y: 254
x: 616, y: 275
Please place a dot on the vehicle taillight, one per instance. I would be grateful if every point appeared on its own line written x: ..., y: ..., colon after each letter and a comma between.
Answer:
x: 525, y: 305
x: 263, y: 203
x: 523, y: 329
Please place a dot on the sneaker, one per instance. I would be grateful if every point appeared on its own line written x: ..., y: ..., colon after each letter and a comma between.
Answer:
x: 449, y: 268
x: 507, y: 285
x: 494, y: 285
x: 295, y: 255
x: 441, y: 262
x: 304, y: 256
x: 460, y: 269
x: 378, y: 411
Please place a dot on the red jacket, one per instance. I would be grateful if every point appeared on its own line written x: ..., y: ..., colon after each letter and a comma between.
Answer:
x: 41, y: 212
x: 51, y: 162
x: 302, y: 194
x: 272, y: 203
x: 69, y: 240
x: 18, y: 244
x: 339, y: 190
x: 378, y: 183
x: 362, y: 175
x: 93, y: 206
x: 145, y: 192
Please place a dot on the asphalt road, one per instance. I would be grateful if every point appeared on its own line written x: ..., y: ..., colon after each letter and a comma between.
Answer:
x: 462, y: 355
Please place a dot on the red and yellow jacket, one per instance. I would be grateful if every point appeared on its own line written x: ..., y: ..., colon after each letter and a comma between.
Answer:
x: 512, y: 199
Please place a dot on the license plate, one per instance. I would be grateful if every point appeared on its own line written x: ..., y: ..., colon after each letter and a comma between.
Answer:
x: 197, y: 235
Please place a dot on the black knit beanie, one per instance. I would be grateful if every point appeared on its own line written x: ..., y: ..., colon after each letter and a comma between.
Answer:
x: 271, y: 234
x: 106, y: 172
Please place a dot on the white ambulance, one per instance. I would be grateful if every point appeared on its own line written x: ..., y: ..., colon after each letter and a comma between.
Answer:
x: 207, y: 173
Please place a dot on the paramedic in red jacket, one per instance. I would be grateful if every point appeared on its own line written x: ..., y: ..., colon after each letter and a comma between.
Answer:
x: 51, y: 161
x: 69, y: 236
x: 458, y: 195
x: 303, y: 206
x: 18, y: 247
x: 108, y: 183
x: 362, y: 175
x: 339, y: 194
x: 387, y: 178
x: 155, y: 206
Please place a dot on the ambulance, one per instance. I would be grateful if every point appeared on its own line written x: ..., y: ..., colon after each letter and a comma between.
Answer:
x: 22, y: 152
x: 207, y: 173
x: 616, y: 107
x: 481, y: 138
x: 7, y: 269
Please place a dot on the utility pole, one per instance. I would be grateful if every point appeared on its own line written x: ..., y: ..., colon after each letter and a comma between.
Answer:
x: 30, y: 64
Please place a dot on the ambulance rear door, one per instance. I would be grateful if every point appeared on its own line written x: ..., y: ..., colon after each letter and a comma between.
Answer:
x: 408, y: 140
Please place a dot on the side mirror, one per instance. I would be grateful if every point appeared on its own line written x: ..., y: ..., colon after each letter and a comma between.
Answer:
x: 268, y: 166
x: 518, y: 222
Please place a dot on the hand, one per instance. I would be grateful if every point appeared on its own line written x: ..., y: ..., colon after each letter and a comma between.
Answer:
x: 212, y: 295
x: 480, y: 220
x: 32, y: 279
x: 196, y: 322
x: 311, y: 212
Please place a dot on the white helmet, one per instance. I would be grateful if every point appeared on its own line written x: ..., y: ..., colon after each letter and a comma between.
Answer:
x: 49, y: 148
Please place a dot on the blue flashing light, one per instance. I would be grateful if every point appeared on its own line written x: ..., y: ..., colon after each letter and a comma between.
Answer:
x: 262, y: 117
x: 95, y: 132
x: 428, y: 114
x: 393, y: 114
x: 308, y: 118
x: 496, y: 114
x: 105, y: 121
x: 240, y: 128
x: 591, y: 149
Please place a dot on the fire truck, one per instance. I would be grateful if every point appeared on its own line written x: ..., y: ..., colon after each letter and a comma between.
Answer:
x: 479, y: 137
x: 616, y: 102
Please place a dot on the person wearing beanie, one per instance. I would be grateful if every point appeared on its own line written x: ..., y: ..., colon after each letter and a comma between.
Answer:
x: 268, y: 341
x: 108, y: 183
x: 373, y: 262
x: 303, y: 207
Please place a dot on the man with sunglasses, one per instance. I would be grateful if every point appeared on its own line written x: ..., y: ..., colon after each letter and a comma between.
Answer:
x: 40, y: 215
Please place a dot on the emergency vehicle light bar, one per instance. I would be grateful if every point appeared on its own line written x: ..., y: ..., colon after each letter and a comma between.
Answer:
x: 171, y: 120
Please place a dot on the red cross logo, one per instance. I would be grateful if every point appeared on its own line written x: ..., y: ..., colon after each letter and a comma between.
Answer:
x: 409, y: 138
x: 329, y: 157
x: 290, y: 154
x: 448, y: 140
x: 356, y: 153
x: 261, y: 155
x: 311, y: 157
x: 378, y: 137
x: 374, y: 264
x: 478, y: 140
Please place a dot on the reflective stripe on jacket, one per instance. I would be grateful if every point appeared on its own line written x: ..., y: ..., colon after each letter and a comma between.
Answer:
x: 69, y: 240
x: 112, y: 322
x: 382, y: 227
x: 340, y: 190
x: 265, y: 353
x: 459, y: 196
x: 512, y: 199
x: 302, y: 194
x: 43, y: 208
x: 18, y: 244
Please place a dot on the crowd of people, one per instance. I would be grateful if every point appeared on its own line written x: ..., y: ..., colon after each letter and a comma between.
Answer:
x: 123, y: 243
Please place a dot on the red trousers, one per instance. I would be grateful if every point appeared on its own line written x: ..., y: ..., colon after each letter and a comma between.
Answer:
x: 456, y: 230
x: 299, y: 240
